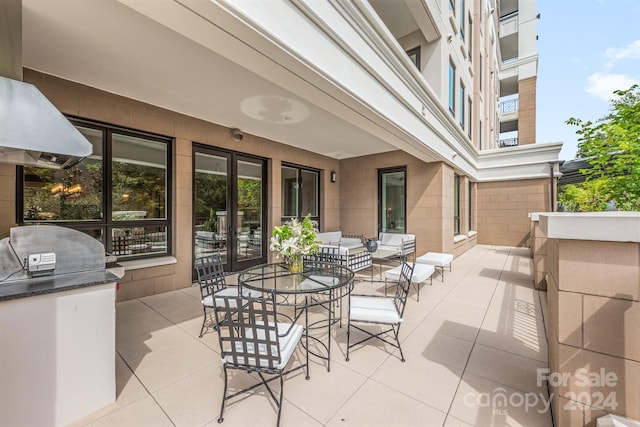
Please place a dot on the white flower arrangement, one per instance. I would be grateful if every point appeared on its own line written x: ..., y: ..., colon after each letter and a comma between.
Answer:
x: 295, y: 239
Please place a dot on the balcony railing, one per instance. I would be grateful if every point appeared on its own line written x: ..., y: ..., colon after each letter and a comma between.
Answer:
x: 509, y: 142
x: 509, y: 106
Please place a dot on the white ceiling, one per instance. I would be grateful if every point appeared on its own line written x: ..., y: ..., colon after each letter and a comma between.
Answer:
x: 107, y: 45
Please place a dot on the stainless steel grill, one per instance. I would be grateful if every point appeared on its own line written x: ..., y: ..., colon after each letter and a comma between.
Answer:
x: 41, y: 259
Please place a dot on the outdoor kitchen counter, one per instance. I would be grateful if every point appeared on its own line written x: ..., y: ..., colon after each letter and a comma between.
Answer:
x: 48, y: 284
x: 57, y: 330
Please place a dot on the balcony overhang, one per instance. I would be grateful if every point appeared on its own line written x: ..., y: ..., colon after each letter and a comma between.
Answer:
x: 346, y: 85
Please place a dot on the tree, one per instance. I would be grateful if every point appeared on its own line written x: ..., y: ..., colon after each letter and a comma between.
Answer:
x: 612, y: 146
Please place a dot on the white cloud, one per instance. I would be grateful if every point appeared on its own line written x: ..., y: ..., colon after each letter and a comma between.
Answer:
x: 632, y: 51
x: 602, y: 85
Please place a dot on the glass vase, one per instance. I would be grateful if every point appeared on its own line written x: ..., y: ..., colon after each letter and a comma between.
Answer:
x: 295, y: 264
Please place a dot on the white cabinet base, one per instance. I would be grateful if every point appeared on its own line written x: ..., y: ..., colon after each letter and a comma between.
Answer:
x: 57, y: 356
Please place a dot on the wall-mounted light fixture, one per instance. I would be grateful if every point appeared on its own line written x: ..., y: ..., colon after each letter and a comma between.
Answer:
x: 236, y: 135
x: 333, y: 176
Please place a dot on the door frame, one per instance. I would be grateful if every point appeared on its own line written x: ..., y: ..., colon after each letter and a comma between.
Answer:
x: 381, y: 172
x: 232, y: 264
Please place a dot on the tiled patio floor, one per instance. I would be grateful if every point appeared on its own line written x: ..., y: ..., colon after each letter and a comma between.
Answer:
x: 472, y: 345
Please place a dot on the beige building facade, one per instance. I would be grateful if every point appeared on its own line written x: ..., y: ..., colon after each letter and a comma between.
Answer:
x: 348, y: 104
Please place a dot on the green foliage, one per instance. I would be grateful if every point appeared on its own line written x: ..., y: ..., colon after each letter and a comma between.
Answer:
x: 612, y: 147
x: 589, y: 196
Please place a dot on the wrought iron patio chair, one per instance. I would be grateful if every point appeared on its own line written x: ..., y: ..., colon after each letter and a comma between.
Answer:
x: 379, y: 310
x: 211, y: 278
x: 252, y: 340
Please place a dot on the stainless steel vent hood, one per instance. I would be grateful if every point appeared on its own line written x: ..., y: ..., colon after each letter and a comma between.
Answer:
x: 32, y: 131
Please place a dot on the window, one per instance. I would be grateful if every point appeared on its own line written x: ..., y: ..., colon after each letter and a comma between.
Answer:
x: 480, y: 135
x: 462, y: 18
x: 452, y: 87
x: 300, y: 188
x: 480, y: 67
x: 392, y: 190
x: 470, y: 38
x: 470, y: 118
x: 414, y: 56
x: 456, y: 205
x: 462, y: 101
x: 119, y: 195
x: 470, y: 205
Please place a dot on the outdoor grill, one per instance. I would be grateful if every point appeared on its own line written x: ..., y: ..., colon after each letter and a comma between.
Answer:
x: 57, y: 326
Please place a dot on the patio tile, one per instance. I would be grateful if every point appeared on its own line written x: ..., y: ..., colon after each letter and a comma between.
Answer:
x: 167, y: 299
x: 377, y: 405
x: 163, y: 366
x: 325, y: 392
x: 505, y: 368
x: 130, y: 308
x: 452, y: 421
x: 438, y: 347
x: 139, y: 335
x: 194, y: 399
x: 144, y: 412
x: 482, y: 402
x: 479, y: 333
x: 429, y: 382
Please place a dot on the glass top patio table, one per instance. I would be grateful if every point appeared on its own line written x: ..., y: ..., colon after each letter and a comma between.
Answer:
x: 321, y: 284
x: 317, y: 277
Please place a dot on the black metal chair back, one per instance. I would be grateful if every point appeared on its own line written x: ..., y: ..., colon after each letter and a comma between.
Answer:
x: 211, y: 279
x: 402, y: 290
x: 250, y: 339
x: 210, y: 274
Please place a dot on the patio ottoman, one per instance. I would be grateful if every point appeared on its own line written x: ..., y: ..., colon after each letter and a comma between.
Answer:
x: 436, y: 259
x: 421, y: 272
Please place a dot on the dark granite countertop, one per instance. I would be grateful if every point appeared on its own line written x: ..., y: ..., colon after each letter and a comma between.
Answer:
x: 28, y: 287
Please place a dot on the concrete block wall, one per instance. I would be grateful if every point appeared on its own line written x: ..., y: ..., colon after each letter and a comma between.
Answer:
x: 594, y: 313
x: 503, y: 210
x: 538, y: 245
x: 527, y: 111
x: 429, y: 199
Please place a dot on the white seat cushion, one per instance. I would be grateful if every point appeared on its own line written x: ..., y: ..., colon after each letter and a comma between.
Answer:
x: 421, y: 272
x: 288, y: 345
x: 350, y: 243
x: 373, y: 309
x: 230, y: 291
x: 435, y: 258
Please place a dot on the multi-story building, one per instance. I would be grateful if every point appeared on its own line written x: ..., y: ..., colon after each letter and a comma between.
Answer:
x: 213, y: 121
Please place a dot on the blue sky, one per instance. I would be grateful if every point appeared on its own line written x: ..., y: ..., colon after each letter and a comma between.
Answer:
x: 587, y: 49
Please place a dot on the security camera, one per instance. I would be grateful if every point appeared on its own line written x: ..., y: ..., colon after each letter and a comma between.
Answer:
x: 237, y: 135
